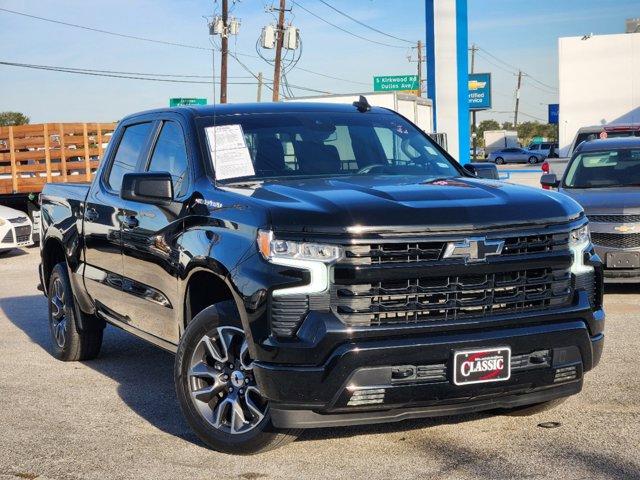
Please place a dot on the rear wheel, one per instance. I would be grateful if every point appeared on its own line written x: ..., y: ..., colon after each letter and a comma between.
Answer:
x: 217, y: 390
x: 68, y: 343
x: 499, y: 161
x: 533, y: 160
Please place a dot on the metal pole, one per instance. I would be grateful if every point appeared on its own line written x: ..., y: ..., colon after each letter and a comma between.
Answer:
x: 474, y: 136
x: 280, y: 39
x: 515, y: 114
x: 259, y: 96
x: 419, y: 68
x: 223, y: 60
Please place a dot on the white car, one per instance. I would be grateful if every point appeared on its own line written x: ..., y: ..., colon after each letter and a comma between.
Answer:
x: 15, y: 229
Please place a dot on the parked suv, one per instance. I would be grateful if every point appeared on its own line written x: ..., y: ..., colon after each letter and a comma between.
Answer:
x: 318, y: 265
x: 604, y: 177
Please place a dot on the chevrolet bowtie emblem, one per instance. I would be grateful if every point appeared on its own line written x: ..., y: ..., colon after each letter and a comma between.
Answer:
x: 475, y: 249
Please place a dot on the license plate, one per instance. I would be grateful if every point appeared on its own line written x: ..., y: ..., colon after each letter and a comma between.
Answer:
x: 481, y: 366
x: 623, y: 260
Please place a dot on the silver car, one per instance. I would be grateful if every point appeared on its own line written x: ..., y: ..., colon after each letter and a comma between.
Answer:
x: 515, y: 155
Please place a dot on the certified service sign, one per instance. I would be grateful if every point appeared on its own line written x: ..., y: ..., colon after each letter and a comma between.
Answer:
x: 479, y: 91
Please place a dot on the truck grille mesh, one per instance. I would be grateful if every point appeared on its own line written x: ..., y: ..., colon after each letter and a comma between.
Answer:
x: 622, y: 218
x: 616, y: 240
x: 450, y: 298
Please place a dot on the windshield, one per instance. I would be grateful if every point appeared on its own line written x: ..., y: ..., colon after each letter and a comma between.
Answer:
x: 322, y: 144
x: 608, y: 168
x: 586, y: 136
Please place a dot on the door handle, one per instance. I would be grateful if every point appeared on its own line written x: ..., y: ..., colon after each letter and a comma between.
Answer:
x: 91, y: 215
x: 130, y: 222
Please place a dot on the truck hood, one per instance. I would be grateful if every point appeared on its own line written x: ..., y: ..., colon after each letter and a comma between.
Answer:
x: 338, y: 204
x: 606, y: 200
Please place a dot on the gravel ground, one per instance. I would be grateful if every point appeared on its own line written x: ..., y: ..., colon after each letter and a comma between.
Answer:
x: 117, y: 416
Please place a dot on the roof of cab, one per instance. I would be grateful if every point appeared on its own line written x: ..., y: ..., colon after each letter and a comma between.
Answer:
x: 609, y: 144
x: 266, y: 107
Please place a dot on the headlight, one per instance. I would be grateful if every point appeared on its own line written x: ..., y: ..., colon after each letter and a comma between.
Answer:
x: 579, y: 240
x: 580, y: 236
x: 2, y: 221
x: 314, y: 257
x: 272, y: 248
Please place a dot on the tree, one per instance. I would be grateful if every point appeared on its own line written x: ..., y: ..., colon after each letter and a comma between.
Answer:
x: 8, y: 119
x: 483, y: 126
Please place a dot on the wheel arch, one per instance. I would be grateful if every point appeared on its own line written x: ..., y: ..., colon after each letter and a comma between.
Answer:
x: 52, y: 253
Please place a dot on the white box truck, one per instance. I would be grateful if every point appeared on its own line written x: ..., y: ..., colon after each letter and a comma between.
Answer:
x: 497, y: 139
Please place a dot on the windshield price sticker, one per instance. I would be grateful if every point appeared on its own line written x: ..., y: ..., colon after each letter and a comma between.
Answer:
x: 231, y: 157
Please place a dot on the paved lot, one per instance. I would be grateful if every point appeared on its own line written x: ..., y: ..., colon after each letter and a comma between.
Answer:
x: 117, y: 417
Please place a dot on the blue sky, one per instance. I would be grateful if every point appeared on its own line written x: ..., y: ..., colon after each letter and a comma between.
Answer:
x: 522, y: 33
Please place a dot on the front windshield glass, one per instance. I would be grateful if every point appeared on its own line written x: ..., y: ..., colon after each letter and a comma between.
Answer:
x: 321, y: 144
x: 608, y: 168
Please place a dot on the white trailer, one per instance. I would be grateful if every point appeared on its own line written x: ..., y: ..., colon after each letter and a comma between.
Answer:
x: 497, y: 139
x: 417, y: 109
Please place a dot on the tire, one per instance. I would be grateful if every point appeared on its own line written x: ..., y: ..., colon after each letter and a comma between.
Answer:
x: 206, y: 350
x: 533, y: 160
x: 499, y: 161
x: 68, y: 343
x: 528, y: 410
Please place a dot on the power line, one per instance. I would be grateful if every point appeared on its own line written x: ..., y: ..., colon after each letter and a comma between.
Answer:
x: 516, y: 69
x: 344, y: 29
x: 132, y: 76
x: 364, y: 24
x: 162, y: 42
x: 106, y: 32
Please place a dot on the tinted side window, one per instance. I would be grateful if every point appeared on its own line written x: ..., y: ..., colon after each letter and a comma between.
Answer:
x: 126, y: 157
x: 170, y: 155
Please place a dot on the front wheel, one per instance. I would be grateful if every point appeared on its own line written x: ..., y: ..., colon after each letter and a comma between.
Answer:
x: 499, y: 161
x: 533, y: 160
x: 217, y: 390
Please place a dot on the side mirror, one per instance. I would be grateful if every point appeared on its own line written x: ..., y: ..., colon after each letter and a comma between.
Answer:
x: 483, y: 170
x: 147, y: 187
x: 549, y: 180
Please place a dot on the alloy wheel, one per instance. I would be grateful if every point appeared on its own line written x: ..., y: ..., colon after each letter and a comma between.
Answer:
x: 221, y: 382
x: 58, y: 313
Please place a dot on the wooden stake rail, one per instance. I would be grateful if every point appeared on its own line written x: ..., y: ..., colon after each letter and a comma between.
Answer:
x: 32, y: 155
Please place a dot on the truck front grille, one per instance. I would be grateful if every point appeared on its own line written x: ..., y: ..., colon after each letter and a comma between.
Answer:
x: 409, y: 252
x: 451, y: 298
x: 616, y: 240
x: 23, y: 231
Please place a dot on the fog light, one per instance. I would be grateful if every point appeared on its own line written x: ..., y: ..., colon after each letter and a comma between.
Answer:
x: 367, y: 397
x: 566, y: 374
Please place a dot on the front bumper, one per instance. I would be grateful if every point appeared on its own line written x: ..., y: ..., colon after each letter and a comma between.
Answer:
x: 617, y: 275
x: 319, y: 396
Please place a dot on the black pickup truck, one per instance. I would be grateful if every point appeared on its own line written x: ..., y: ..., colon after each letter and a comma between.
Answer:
x: 320, y: 265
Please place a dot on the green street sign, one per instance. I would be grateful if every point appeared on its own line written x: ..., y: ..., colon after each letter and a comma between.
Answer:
x: 395, y: 82
x: 176, y: 102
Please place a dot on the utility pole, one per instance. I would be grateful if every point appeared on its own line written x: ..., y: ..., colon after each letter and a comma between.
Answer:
x: 515, y: 114
x: 419, y: 68
x: 420, y: 60
x: 474, y: 135
x: 225, y: 49
x: 259, y: 96
x: 279, y: 41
